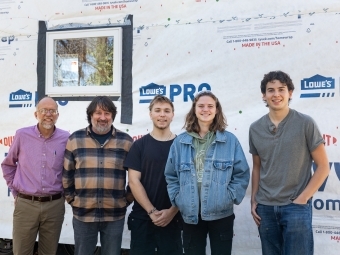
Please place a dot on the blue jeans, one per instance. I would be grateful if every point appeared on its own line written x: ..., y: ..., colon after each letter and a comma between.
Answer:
x: 286, y: 230
x: 86, y: 237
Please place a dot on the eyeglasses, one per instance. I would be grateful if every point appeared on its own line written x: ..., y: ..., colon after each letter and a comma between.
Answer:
x: 50, y: 111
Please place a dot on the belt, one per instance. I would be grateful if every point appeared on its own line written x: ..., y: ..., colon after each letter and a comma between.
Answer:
x: 40, y: 199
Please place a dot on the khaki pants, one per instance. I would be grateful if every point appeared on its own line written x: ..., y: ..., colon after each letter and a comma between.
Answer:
x: 33, y: 217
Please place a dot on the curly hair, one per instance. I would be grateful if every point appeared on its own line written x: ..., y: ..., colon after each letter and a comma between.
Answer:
x: 276, y: 75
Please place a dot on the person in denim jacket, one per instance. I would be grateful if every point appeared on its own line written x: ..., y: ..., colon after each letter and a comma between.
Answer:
x: 207, y: 173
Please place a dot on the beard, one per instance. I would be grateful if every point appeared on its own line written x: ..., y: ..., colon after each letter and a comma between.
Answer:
x: 47, y: 126
x: 100, y: 129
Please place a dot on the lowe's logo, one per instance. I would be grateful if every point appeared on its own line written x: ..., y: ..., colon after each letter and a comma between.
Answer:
x: 186, y: 91
x: 18, y: 97
x: 317, y: 82
x: 150, y: 91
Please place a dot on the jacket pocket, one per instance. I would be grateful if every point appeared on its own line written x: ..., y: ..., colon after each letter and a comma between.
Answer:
x: 184, y: 174
x: 183, y: 198
x: 221, y: 172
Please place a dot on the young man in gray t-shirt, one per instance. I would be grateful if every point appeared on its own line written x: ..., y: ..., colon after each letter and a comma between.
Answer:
x: 283, y: 144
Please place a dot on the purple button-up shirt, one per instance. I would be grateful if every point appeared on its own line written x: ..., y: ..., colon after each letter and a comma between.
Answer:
x: 34, y: 165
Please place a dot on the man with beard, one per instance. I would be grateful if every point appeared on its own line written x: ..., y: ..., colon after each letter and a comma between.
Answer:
x: 32, y: 170
x: 94, y: 180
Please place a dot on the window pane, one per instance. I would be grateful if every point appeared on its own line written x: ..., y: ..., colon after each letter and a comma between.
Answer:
x: 83, y: 62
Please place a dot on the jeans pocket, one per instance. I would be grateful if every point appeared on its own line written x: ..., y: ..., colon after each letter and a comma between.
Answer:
x: 302, y: 205
x: 131, y: 223
x: 306, y: 205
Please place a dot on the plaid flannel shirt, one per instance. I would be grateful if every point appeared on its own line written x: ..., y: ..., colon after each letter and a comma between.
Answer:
x: 94, y: 178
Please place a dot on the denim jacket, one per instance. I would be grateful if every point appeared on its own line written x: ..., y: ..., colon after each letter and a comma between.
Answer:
x: 225, y: 177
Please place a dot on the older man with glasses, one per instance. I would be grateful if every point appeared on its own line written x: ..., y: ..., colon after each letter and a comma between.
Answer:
x: 33, y: 170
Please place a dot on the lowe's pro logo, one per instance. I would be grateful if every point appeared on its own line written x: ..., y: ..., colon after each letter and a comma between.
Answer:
x: 316, y: 83
x: 187, y: 91
x: 16, y: 98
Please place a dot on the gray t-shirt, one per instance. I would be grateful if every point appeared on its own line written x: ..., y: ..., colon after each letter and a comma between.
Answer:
x: 285, y: 153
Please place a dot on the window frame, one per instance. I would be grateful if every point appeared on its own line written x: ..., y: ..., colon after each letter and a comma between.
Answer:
x: 81, y: 91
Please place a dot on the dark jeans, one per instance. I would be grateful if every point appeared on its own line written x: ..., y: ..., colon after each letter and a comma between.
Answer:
x: 220, y: 234
x: 146, y: 237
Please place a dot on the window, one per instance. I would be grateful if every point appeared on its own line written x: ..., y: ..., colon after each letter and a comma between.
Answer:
x: 84, y: 62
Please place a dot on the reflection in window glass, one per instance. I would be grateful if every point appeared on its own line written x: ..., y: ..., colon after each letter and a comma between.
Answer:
x: 83, y: 62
